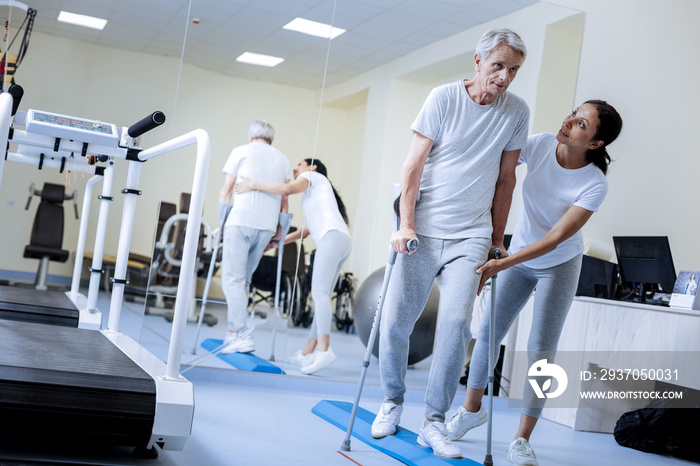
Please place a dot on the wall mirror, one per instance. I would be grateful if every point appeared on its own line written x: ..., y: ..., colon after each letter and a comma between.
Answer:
x: 348, y: 101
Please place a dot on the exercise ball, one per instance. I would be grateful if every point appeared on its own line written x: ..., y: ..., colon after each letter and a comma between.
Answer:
x: 420, y: 344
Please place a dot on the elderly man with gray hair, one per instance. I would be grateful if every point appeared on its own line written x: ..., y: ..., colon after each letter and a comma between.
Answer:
x: 251, y: 222
x: 466, y: 143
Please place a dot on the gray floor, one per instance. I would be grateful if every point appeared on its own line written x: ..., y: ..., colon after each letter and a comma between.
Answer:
x: 244, y: 418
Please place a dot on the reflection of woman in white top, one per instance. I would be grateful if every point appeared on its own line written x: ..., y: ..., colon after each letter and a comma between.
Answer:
x: 326, y: 221
x: 564, y: 186
x: 691, y: 287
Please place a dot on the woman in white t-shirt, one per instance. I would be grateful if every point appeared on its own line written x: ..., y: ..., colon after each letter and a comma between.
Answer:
x: 564, y: 186
x: 326, y: 222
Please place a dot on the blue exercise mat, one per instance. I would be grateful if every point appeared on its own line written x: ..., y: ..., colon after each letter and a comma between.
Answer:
x: 401, y: 446
x: 242, y: 361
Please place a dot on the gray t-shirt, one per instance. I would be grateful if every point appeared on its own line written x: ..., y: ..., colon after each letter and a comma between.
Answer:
x: 459, y: 177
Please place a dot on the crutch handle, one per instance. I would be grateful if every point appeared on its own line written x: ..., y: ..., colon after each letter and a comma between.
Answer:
x: 497, y: 253
x: 412, y: 244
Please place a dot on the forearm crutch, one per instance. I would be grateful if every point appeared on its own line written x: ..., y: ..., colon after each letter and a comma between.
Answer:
x: 488, y: 461
x: 285, y: 220
x: 210, y: 274
x: 411, y: 245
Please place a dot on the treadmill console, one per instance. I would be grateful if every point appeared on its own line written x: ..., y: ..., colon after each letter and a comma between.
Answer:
x: 68, y: 127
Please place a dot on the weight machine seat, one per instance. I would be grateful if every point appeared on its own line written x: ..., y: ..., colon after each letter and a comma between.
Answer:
x: 72, y: 384
x: 47, y: 232
x: 39, y: 252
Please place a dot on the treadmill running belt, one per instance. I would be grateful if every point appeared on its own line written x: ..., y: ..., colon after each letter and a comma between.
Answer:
x: 72, y: 383
x: 31, y: 305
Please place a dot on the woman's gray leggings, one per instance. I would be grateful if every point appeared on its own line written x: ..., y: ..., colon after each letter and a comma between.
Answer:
x: 332, y: 251
x: 556, y: 287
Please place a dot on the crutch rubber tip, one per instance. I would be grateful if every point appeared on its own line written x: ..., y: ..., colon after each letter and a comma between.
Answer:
x: 345, y: 446
x: 488, y: 461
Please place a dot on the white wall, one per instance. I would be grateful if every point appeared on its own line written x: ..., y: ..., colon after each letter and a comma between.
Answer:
x: 640, y: 56
x: 79, y: 79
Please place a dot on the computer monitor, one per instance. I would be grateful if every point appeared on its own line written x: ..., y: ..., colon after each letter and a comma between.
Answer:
x: 646, y: 262
x: 597, y: 279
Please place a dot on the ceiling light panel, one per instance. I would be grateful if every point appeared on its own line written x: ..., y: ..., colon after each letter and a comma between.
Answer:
x: 82, y: 20
x: 259, y: 59
x: 313, y: 28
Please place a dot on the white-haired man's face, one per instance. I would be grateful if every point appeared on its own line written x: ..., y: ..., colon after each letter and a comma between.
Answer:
x: 499, y: 69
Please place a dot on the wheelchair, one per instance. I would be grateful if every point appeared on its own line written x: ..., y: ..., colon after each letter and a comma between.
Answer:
x: 294, y: 297
x: 343, y: 295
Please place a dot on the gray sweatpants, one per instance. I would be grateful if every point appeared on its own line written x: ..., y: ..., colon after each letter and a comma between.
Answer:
x: 331, y: 253
x: 243, y: 248
x: 453, y: 264
x: 556, y: 287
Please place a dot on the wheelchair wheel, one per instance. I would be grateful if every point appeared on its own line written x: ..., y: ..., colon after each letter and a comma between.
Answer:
x: 285, y: 295
x: 296, y: 303
x: 307, y: 317
x: 343, y: 311
x: 344, y: 303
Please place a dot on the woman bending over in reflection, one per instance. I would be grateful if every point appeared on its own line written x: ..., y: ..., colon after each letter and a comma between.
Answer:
x: 326, y: 221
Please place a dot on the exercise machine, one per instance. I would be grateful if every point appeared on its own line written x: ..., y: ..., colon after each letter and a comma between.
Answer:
x: 164, y: 273
x: 71, y: 309
x: 81, y: 385
x: 46, y: 240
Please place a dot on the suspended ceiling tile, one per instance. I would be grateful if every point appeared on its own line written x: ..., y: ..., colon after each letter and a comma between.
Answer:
x: 377, y: 30
x: 432, y: 10
x: 401, y: 20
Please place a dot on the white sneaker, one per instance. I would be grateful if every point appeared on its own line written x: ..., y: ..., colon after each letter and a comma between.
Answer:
x: 520, y: 453
x: 462, y: 421
x: 434, y: 435
x: 238, y: 343
x: 387, y: 419
x: 301, y: 359
x: 320, y: 360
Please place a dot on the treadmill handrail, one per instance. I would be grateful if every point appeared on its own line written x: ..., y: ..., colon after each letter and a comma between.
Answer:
x: 185, y: 286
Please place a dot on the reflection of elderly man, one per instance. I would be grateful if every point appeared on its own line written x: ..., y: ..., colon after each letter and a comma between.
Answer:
x: 691, y: 287
x: 249, y: 226
x: 466, y: 143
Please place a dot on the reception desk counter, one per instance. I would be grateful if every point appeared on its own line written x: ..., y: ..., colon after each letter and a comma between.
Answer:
x: 603, y: 335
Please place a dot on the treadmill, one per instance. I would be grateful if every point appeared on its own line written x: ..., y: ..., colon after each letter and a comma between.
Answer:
x: 70, y: 308
x: 40, y: 306
x: 102, y: 386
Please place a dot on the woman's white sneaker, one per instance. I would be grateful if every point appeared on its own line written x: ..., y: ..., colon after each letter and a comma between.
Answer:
x: 387, y: 419
x: 434, y: 435
x: 320, y: 360
x: 462, y: 421
x: 521, y: 453
x: 301, y: 359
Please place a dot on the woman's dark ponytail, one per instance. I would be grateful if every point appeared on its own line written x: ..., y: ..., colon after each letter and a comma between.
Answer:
x: 321, y: 168
x: 608, y: 129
